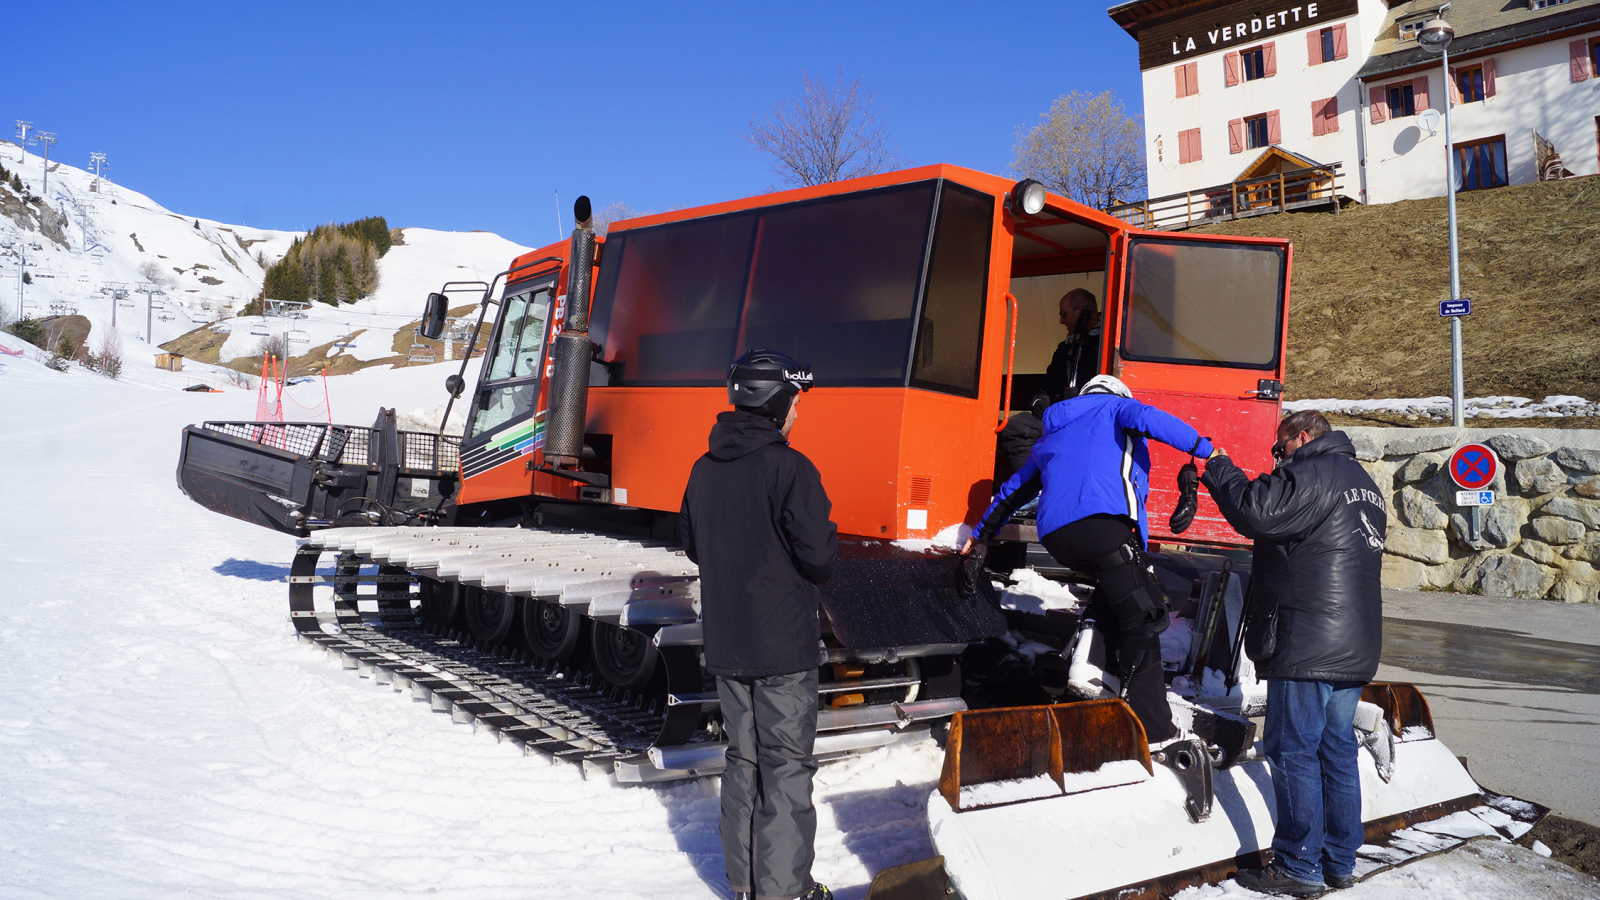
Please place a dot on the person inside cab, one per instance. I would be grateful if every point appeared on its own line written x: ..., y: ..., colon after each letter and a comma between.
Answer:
x: 1077, y: 359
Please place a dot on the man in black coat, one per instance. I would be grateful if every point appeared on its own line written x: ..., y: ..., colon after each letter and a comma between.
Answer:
x: 1077, y: 359
x: 1315, y: 630
x: 756, y: 519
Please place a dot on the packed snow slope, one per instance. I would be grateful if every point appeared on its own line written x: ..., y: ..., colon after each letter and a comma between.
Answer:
x: 88, y: 242
x: 165, y: 734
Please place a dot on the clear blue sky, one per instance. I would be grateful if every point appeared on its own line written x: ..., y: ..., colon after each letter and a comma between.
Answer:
x: 463, y: 115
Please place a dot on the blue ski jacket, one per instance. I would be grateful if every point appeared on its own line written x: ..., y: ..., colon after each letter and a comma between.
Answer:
x: 1092, y: 458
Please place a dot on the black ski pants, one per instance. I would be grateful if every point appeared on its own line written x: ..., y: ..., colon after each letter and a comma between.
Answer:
x: 1133, y: 644
x: 769, y: 824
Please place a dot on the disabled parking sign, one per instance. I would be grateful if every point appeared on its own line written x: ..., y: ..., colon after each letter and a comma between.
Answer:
x: 1473, y: 466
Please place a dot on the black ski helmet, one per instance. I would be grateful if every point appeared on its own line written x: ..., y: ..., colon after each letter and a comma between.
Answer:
x: 757, y: 377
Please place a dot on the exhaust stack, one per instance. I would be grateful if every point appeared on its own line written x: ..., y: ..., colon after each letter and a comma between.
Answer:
x: 569, y: 381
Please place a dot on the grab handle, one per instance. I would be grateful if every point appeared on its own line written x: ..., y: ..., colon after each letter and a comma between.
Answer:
x: 1011, y: 360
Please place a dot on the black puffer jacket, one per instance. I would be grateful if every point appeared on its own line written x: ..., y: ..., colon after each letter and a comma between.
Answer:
x: 755, y: 518
x: 1318, y: 522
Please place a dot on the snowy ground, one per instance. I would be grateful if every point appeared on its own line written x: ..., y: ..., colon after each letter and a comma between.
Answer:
x: 165, y: 734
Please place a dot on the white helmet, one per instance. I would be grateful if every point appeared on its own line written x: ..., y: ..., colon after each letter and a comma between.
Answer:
x: 1106, y: 384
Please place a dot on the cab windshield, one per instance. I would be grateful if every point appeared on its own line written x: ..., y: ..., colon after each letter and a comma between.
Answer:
x: 511, y: 371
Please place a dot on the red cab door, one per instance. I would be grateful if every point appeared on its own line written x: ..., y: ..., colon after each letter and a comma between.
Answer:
x: 1200, y: 329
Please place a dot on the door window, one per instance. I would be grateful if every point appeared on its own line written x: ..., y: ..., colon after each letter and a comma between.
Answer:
x: 1204, y: 303
x: 512, y: 371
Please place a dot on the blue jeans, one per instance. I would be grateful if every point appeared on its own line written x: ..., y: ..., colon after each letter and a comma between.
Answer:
x: 1311, y: 746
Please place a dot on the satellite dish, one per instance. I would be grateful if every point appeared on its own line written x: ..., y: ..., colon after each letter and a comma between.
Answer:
x: 1428, y: 120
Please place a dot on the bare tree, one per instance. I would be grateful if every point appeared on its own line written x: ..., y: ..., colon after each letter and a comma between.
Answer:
x: 274, y: 345
x: 616, y: 211
x: 824, y: 135
x: 152, y: 272
x: 1086, y: 148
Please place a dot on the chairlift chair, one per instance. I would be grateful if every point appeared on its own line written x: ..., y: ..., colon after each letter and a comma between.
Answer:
x: 259, y: 330
x: 299, y: 337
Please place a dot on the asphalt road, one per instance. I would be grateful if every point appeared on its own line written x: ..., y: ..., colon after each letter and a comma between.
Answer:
x: 1513, y: 685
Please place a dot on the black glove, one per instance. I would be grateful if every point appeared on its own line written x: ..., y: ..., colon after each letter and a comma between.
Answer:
x: 969, y: 573
x: 1188, y: 498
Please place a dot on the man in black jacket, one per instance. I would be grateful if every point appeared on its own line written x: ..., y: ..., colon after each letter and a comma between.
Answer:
x: 755, y: 519
x: 1315, y: 630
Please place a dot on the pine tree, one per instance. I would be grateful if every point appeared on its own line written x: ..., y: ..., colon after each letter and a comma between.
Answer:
x: 327, y: 285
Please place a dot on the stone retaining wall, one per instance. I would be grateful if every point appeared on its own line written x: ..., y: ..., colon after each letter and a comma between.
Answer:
x: 1541, y: 539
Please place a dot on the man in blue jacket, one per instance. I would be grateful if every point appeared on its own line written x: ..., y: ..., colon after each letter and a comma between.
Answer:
x: 1091, y: 472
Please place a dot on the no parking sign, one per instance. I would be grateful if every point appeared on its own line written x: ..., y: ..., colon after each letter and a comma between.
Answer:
x: 1473, y: 467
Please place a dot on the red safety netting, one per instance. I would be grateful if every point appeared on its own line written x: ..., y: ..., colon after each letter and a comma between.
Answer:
x: 275, y: 404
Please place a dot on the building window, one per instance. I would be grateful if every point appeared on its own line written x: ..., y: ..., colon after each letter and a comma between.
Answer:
x: 1594, y: 57
x: 1188, y: 79
x: 1544, y: 4
x: 1469, y: 84
x: 1325, y: 116
x: 1402, y: 101
x: 1409, y: 29
x: 1255, y: 65
x: 1255, y: 132
x: 1256, y: 62
x: 1482, y: 164
x: 1326, y: 45
x: 1188, y: 146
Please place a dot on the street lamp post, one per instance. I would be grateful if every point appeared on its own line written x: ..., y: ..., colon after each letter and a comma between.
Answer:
x: 1435, y: 37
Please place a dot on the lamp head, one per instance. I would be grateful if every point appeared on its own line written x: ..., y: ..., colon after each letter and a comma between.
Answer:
x: 1027, y: 197
x: 1435, y: 36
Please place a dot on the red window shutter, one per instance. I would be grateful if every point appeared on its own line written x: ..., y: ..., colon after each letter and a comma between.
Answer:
x: 1230, y: 69
x: 1188, y: 146
x: 1341, y: 44
x: 1274, y: 135
x: 1316, y: 118
x: 1193, y: 78
x: 1314, y: 48
x: 1419, y: 93
x: 1488, y: 77
x: 1235, y: 135
x: 1578, y: 56
x: 1379, y: 105
x: 1330, y: 115
x: 1178, y: 75
x: 1269, y: 57
x: 1453, y: 88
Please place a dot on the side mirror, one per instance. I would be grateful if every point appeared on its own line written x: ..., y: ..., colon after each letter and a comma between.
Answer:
x: 433, y: 316
x: 455, y: 384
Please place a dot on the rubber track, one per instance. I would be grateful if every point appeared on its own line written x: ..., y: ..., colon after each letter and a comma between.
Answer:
x: 547, y: 708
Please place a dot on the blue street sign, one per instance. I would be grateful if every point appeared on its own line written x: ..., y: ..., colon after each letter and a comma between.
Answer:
x: 1462, y: 307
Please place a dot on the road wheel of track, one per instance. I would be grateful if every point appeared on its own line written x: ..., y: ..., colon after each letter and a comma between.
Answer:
x: 441, y: 602
x: 490, y: 614
x: 550, y: 630
x: 623, y: 656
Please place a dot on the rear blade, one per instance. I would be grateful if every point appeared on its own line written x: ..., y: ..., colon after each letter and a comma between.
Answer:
x: 1005, y: 831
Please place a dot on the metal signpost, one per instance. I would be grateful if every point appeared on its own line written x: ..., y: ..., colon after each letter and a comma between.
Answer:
x: 1473, y: 468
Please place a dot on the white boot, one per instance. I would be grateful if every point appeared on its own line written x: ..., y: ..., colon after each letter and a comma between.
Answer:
x: 1087, y: 678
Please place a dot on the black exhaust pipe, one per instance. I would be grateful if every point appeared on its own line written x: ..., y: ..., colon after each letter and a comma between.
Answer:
x: 569, y: 380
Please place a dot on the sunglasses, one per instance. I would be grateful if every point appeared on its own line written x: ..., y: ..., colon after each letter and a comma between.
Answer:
x: 1280, y: 449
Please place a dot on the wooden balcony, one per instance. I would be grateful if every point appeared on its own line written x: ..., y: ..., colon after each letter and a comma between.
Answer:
x: 1309, y: 188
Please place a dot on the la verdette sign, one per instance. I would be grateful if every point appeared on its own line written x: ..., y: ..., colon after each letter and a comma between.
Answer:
x: 1232, y: 25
